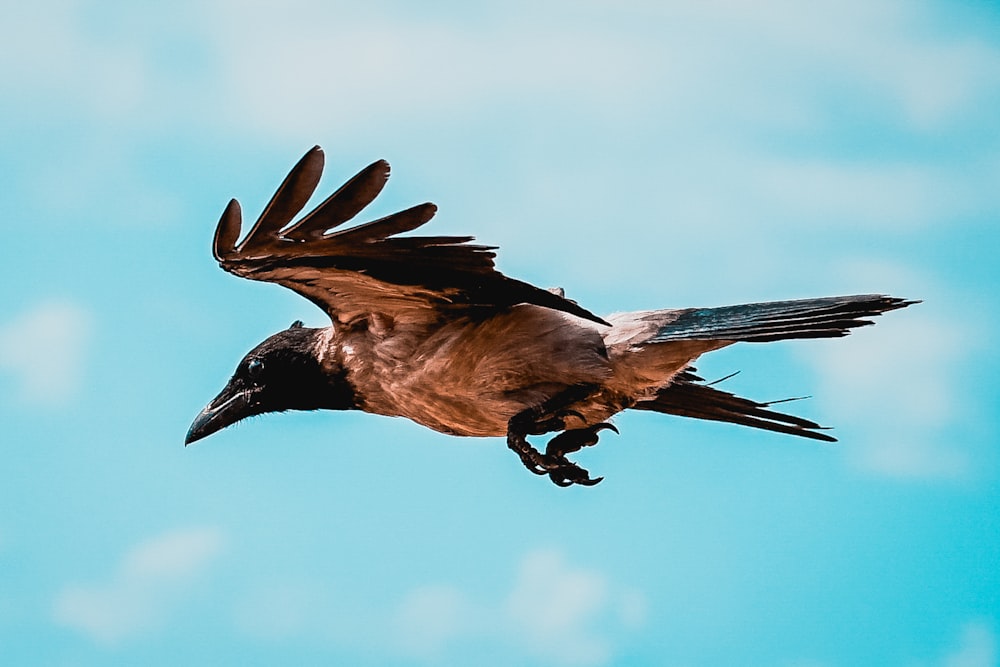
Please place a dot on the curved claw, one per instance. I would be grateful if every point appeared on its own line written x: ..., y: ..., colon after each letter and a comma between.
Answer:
x: 570, y: 474
x: 561, y: 479
x: 553, y: 462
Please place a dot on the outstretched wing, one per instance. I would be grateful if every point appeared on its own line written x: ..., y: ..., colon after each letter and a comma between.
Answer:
x: 367, y: 269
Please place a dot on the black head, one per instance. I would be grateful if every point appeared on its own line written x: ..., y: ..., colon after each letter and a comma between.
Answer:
x: 282, y: 373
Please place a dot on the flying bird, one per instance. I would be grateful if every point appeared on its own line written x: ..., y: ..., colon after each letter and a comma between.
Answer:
x: 425, y: 327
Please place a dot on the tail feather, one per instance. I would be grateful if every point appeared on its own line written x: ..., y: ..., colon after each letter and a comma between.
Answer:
x: 828, y: 317
x: 688, y: 396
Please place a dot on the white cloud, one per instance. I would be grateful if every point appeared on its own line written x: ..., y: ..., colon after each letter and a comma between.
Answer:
x: 555, y: 611
x: 45, y: 50
x: 45, y: 349
x: 700, y: 80
x: 898, y: 384
x: 977, y: 647
x: 431, y: 617
x: 350, y: 65
x: 553, y: 608
x: 310, y: 609
x: 340, y: 66
x: 348, y: 68
x: 878, y: 50
x: 857, y: 196
x: 149, y: 581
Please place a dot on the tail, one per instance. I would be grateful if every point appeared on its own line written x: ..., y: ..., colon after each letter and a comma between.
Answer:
x: 828, y: 317
x: 687, y: 396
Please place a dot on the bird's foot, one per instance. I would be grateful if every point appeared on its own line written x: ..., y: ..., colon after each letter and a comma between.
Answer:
x: 564, y: 472
x: 553, y: 462
x: 576, y: 439
x: 567, y: 473
x: 532, y: 459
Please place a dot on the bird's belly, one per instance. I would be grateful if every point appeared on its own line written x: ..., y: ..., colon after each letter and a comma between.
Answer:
x: 459, y: 415
x: 488, y: 415
x: 471, y: 379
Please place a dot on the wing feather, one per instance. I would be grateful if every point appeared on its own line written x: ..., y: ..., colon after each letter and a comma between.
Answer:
x: 227, y: 233
x: 367, y: 269
x: 689, y: 396
x: 290, y: 198
x: 349, y: 200
x: 383, y: 228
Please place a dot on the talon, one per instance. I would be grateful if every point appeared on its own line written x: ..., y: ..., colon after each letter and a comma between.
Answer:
x: 576, y: 439
x: 530, y: 457
x: 548, y: 416
x: 537, y: 467
x: 571, y: 474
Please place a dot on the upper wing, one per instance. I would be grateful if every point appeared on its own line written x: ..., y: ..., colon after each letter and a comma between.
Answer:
x: 367, y: 269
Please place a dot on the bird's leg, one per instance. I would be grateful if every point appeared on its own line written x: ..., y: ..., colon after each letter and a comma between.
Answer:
x: 551, y: 416
x: 542, y: 418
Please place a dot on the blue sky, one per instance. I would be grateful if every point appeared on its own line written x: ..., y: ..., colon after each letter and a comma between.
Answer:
x: 638, y: 154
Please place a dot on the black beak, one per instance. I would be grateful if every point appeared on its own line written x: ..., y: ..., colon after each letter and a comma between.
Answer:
x: 225, y: 409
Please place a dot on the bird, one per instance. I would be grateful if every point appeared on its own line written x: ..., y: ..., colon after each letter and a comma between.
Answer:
x: 426, y: 328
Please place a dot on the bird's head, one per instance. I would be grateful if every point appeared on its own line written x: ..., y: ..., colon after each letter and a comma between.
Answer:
x: 284, y: 372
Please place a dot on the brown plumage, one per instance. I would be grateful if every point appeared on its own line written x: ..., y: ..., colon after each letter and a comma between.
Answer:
x: 426, y: 328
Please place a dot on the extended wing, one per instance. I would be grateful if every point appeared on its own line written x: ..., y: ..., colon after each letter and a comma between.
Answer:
x: 355, y: 272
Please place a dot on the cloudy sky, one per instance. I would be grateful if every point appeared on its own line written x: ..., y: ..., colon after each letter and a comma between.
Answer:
x: 639, y: 154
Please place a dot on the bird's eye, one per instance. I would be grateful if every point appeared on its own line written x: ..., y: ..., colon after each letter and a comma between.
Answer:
x: 255, y: 367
